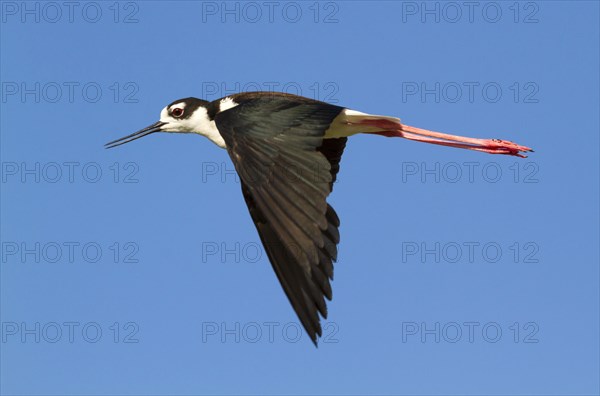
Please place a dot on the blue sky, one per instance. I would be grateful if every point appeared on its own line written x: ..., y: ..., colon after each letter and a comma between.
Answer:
x: 138, y: 270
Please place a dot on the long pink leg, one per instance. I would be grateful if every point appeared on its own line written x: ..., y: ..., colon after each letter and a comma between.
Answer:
x: 492, y: 146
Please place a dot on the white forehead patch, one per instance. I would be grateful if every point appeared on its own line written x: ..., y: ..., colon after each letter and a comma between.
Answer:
x: 164, y: 114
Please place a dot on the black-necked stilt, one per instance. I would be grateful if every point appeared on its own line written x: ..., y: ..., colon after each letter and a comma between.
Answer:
x: 287, y: 150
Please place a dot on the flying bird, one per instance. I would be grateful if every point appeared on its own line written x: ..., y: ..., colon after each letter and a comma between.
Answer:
x: 287, y: 150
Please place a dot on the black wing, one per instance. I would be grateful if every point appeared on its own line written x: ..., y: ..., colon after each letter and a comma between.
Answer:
x: 287, y: 171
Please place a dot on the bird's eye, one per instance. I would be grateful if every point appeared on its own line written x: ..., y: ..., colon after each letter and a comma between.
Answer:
x: 177, y: 112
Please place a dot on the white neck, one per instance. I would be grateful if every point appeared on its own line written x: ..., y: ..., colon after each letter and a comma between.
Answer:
x: 202, y: 125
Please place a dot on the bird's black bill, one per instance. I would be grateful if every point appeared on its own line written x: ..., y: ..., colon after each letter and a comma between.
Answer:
x: 141, y: 133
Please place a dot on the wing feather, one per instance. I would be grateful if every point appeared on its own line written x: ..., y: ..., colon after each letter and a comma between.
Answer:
x: 287, y: 171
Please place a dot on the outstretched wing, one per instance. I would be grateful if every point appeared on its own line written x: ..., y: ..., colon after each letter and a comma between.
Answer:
x: 287, y: 171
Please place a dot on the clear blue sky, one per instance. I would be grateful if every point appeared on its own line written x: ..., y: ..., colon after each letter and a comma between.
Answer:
x: 459, y: 272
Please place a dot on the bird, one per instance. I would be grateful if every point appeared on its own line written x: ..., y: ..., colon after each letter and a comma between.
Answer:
x: 287, y: 150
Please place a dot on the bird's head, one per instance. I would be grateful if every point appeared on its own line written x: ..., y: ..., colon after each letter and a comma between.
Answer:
x: 189, y: 115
